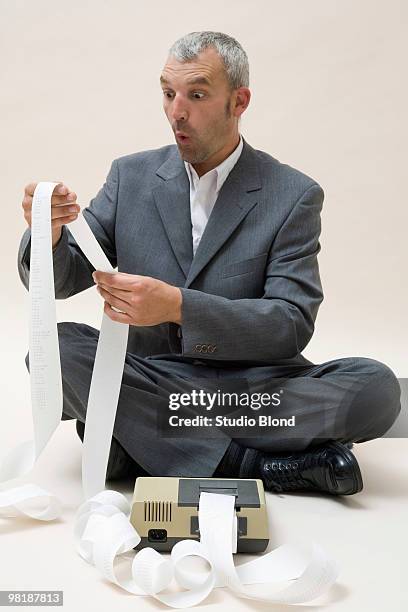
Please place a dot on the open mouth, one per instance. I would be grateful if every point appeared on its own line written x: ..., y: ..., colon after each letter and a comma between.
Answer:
x: 182, y: 137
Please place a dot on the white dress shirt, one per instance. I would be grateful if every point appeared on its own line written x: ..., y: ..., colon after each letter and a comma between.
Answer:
x: 204, y: 191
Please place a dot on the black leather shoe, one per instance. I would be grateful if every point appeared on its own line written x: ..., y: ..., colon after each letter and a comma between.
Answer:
x: 120, y: 464
x: 331, y: 468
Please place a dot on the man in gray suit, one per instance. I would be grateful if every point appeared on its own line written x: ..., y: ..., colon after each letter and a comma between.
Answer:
x: 216, y: 245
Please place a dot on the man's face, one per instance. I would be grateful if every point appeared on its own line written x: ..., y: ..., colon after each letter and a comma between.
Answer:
x: 199, y: 104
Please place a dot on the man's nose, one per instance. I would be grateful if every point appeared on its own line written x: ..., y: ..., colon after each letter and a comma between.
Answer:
x: 179, y: 110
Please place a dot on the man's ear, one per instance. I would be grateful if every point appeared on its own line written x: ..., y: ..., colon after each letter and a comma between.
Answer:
x: 242, y: 99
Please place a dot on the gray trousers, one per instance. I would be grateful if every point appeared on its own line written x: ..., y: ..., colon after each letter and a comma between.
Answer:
x: 352, y: 399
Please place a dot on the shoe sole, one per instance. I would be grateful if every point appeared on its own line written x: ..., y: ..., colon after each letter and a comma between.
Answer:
x: 355, y: 468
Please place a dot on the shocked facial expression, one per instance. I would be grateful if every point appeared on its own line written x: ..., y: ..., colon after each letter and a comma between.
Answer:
x: 199, y: 105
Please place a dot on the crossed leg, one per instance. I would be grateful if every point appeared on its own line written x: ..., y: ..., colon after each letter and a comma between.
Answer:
x: 349, y: 399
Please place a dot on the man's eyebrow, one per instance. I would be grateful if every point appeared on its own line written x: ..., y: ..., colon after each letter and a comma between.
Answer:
x: 194, y: 81
x: 198, y: 81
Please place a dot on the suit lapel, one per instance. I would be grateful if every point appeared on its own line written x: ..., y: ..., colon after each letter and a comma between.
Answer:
x: 238, y: 195
x: 172, y: 200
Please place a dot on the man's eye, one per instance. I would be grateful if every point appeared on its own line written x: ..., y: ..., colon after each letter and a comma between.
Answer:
x: 198, y: 95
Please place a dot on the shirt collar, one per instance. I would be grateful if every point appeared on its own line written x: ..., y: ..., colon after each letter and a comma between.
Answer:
x: 221, y: 171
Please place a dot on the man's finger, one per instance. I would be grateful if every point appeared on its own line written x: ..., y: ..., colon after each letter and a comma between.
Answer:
x: 29, y: 189
x: 125, y: 296
x: 60, y: 189
x: 57, y: 200
x: 113, y: 300
x: 118, y: 280
x: 116, y: 316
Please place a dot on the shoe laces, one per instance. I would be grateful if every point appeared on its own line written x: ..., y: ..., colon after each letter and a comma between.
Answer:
x: 286, y: 473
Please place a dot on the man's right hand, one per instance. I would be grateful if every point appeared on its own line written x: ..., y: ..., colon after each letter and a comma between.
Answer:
x: 64, y: 208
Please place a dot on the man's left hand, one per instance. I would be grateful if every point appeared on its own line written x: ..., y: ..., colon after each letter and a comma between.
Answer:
x: 143, y: 300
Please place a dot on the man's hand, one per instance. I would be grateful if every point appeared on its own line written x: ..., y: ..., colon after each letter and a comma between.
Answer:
x: 64, y: 208
x: 143, y: 300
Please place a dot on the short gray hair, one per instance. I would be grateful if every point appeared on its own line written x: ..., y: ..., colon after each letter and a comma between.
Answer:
x: 232, y: 54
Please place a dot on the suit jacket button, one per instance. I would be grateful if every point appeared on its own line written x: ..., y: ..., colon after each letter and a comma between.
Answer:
x: 204, y: 348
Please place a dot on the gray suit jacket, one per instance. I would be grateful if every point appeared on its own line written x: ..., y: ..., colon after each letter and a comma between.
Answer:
x: 252, y: 291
